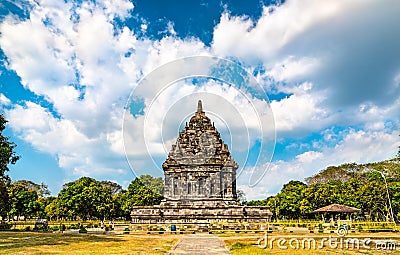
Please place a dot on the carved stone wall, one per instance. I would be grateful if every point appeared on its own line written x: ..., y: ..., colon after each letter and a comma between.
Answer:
x: 199, y: 164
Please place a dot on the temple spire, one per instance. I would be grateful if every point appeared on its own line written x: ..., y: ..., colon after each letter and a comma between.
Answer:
x: 199, y: 107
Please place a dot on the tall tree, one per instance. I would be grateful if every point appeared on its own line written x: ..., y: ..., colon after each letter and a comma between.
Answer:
x: 7, y: 153
x: 23, y: 202
x: 155, y: 184
x: 41, y: 189
x: 85, y: 198
x: 4, y: 197
x: 113, y: 186
x: 140, y: 194
x: 289, y: 199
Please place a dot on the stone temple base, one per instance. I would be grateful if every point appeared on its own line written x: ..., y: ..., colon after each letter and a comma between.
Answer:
x: 189, y: 211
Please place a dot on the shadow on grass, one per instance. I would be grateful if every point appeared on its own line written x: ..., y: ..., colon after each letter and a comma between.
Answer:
x: 16, y: 240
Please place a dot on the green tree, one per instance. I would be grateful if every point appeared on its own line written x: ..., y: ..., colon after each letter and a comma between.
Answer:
x: 113, y: 186
x: 85, y: 198
x: 7, y: 153
x: 373, y: 197
x: 289, y: 198
x: 4, y: 197
x: 139, y: 194
x: 41, y: 189
x: 394, y: 190
x: 23, y: 202
x: 155, y: 184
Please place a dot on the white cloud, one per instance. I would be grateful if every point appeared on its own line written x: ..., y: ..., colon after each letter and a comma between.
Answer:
x: 277, y: 27
x: 86, y: 68
x: 300, y: 112
x: 4, y: 101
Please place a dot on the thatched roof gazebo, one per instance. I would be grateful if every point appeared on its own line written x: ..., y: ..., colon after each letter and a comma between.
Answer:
x: 336, y: 208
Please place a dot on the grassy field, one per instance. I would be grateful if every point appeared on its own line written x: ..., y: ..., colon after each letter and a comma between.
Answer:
x: 242, y: 243
x: 57, y: 243
x: 247, y: 244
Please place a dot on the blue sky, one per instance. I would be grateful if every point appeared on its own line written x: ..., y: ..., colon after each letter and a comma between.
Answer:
x: 331, y: 70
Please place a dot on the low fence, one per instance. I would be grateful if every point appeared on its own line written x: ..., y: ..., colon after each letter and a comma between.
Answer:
x: 214, y: 227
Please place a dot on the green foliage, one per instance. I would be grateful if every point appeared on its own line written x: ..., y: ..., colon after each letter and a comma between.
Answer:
x: 360, y: 186
x: 82, y: 229
x: 155, y: 185
x: 139, y: 194
x: 85, y: 198
x: 289, y: 199
x: 4, y: 198
x: 72, y: 226
x: 114, y: 187
x: 7, y: 153
x: 23, y: 202
x: 238, y: 246
x: 41, y: 189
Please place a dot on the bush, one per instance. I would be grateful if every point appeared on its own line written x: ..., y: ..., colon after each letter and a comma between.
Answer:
x: 320, y: 228
x: 28, y: 228
x: 82, y: 230
x: 161, y: 231
x: 62, y: 227
x: 72, y: 226
x: 95, y: 225
x: 55, y: 228
x: 238, y: 246
x: 126, y: 230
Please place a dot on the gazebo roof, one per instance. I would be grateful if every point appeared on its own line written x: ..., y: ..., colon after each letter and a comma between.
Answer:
x: 338, y: 208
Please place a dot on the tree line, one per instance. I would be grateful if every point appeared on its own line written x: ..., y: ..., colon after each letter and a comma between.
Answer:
x: 358, y: 185
x: 85, y: 199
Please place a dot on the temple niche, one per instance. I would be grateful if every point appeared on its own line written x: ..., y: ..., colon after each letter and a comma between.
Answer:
x: 200, y: 180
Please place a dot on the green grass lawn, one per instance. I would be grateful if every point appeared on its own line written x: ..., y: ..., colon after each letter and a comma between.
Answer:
x: 57, y: 243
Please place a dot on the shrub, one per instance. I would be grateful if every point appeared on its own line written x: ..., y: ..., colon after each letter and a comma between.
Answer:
x: 55, y: 228
x: 126, y: 230
x: 237, y: 246
x: 82, y: 230
x: 72, y: 226
x: 28, y: 228
x: 95, y: 225
x: 161, y: 231
x: 320, y: 228
x: 62, y: 227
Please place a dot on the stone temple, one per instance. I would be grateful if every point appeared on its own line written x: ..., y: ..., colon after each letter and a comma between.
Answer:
x: 200, y: 181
